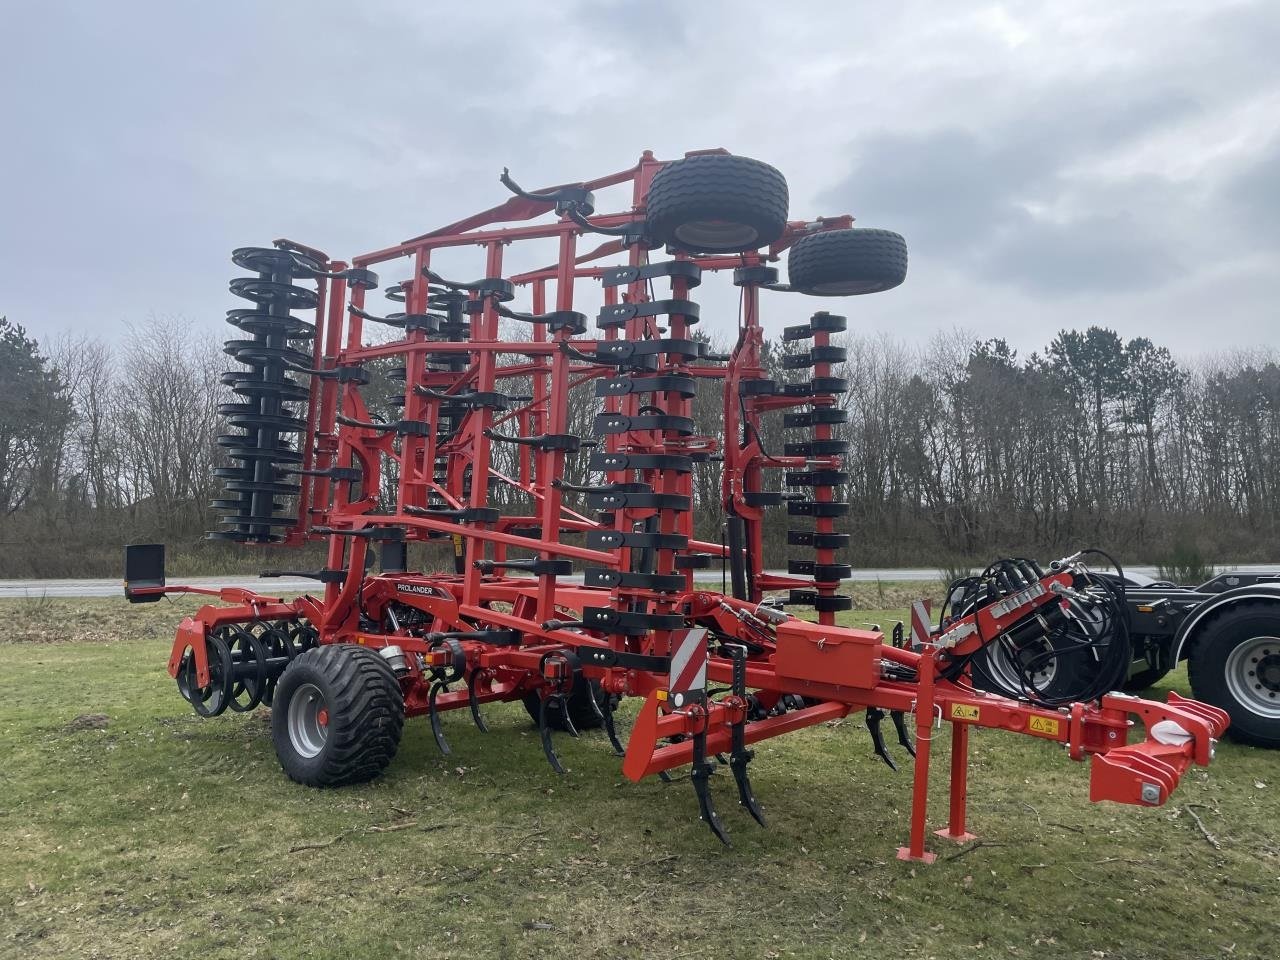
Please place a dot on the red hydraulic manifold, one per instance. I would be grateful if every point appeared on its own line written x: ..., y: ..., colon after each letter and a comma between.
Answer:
x: 586, y: 592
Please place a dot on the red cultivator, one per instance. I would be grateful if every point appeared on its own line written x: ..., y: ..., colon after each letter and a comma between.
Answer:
x: 513, y: 620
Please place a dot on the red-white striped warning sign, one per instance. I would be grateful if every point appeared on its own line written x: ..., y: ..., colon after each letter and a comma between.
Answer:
x: 688, y: 661
x: 921, y: 621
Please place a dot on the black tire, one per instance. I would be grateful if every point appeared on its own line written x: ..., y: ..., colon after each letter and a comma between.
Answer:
x: 580, y: 712
x: 1143, y: 679
x: 356, y: 736
x: 995, y: 671
x: 1235, y: 643
x: 717, y: 203
x: 845, y: 263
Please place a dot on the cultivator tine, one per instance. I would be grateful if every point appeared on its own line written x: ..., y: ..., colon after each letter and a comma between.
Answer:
x: 544, y: 731
x: 436, y: 730
x: 739, y: 755
x: 474, y: 703
x: 900, y: 724
x: 875, y: 716
x: 700, y: 774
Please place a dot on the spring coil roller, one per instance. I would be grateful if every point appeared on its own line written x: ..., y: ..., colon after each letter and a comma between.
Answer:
x: 245, y: 661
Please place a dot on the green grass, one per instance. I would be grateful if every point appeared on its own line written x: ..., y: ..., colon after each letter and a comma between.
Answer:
x: 164, y: 835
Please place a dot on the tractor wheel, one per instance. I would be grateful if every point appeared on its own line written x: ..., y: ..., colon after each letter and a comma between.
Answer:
x: 1144, y: 679
x: 336, y: 716
x: 844, y: 263
x: 1235, y: 664
x: 717, y: 203
x: 580, y: 712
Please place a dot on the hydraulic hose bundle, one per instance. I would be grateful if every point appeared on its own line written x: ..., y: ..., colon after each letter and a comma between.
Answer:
x: 1075, y: 650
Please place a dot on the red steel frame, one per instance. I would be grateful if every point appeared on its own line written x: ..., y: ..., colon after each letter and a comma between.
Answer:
x: 838, y: 670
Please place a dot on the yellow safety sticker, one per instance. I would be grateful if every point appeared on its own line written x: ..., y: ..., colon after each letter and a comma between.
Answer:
x: 1045, y: 725
x: 661, y: 694
x: 961, y: 711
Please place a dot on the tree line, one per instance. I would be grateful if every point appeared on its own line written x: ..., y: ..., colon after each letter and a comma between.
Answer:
x: 960, y: 450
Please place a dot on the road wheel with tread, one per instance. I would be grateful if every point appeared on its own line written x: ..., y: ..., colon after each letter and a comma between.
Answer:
x: 1235, y: 664
x: 717, y: 203
x: 337, y: 716
x: 580, y: 712
x: 845, y: 263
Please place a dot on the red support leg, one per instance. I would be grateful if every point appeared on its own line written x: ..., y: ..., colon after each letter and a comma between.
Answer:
x: 955, y: 829
x: 915, y: 850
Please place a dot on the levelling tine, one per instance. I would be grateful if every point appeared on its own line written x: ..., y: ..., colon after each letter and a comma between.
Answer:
x: 568, y: 720
x: 436, y: 730
x: 700, y: 774
x: 544, y: 731
x: 474, y: 703
x: 605, y: 716
x: 875, y: 716
x: 900, y: 724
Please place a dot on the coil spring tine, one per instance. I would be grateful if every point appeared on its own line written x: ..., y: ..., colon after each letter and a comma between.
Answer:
x: 436, y: 730
x: 904, y: 738
x: 874, y: 717
x: 474, y: 703
x: 544, y: 733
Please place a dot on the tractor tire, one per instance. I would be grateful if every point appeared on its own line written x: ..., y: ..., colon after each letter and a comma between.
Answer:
x: 337, y: 716
x: 1144, y: 679
x: 717, y: 203
x: 846, y: 263
x: 1235, y: 664
x: 580, y: 712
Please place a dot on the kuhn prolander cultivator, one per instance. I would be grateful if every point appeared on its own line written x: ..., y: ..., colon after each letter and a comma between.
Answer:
x: 587, y: 593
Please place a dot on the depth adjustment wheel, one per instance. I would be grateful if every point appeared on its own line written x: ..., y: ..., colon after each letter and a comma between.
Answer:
x: 717, y: 203
x: 337, y: 716
x: 846, y: 263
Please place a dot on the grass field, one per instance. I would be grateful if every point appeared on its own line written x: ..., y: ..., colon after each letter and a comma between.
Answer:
x: 164, y: 835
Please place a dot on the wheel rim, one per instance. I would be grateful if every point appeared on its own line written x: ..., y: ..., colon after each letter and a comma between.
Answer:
x: 1253, y: 675
x: 717, y: 235
x: 1003, y: 661
x: 308, y: 721
x: 847, y: 288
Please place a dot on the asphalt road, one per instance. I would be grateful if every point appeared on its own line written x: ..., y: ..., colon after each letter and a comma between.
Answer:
x: 18, y: 589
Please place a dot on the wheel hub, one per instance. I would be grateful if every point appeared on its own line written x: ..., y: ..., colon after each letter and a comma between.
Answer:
x: 308, y: 721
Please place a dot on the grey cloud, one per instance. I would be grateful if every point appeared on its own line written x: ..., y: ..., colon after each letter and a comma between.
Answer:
x: 1104, y: 253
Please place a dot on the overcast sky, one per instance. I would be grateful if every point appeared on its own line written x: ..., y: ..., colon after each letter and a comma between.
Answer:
x: 1050, y: 164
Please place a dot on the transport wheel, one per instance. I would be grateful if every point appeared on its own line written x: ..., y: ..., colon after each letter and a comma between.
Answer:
x: 1235, y: 665
x: 580, y: 712
x: 717, y: 203
x: 997, y: 668
x: 336, y: 716
x: 1144, y: 678
x: 844, y: 263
